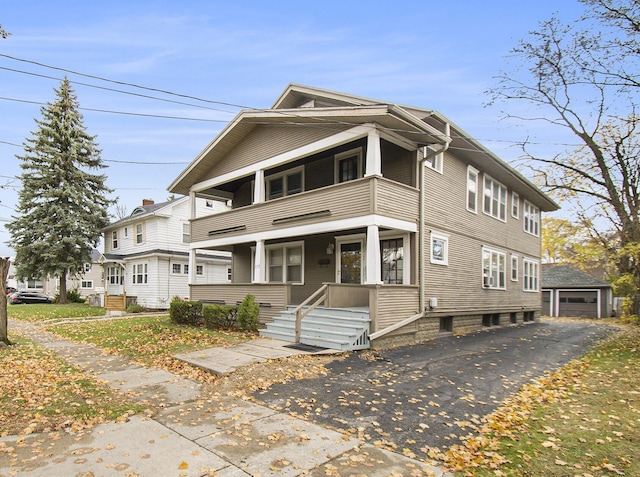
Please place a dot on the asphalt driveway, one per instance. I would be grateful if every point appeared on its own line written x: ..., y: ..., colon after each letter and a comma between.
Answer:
x: 418, y: 396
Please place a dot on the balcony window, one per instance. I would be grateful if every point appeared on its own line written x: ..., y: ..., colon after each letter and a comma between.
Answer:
x: 284, y: 184
x: 349, y: 165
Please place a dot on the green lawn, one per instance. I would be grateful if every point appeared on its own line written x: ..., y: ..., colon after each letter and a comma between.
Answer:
x: 53, y: 311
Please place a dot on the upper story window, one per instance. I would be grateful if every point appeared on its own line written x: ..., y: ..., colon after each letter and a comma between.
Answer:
x: 531, y: 219
x: 472, y: 189
x: 87, y: 267
x: 286, y: 183
x: 433, y: 161
x: 515, y: 205
x: 176, y: 268
x: 495, y: 199
x: 114, y: 239
x: 139, y: 233
x: 349, y: 165
x: 186, y: 233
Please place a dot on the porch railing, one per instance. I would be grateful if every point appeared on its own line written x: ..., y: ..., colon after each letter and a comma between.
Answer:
x: 300, y: 314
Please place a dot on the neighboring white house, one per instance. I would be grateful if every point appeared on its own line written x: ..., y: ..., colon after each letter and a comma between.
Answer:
x: 146, y: 255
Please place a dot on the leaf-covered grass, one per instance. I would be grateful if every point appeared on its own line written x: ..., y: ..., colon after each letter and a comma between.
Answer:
x: 39, y: 392
x: 150, y: 340
x: 583, y: 420
x: 39, y: 313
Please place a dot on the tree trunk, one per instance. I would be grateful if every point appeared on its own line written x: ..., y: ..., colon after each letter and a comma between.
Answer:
x: 4, y: 271
x: 62, y: 298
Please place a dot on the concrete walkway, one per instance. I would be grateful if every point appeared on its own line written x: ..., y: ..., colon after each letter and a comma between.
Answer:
x: 194, y: 434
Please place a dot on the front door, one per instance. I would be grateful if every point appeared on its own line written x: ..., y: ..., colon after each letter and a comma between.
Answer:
x: 349, y: 265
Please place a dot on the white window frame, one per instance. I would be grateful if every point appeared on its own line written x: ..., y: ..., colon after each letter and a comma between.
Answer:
x: 114, y: 275
x: 139, y: 233
x: 115, y: 242
x: 475, y: 173
x: 444, y: 239
x: 185, y: 269
x: 87, y: 267
x: 284, y: 175
x: 284, y: 247
x: 497, y: 258
x: 186, y: 232
x: 140, y: 275
x: 531, y: 218
x: 500, y: 202
x: 514, y: 267
x: 346, y: 155
x: 530, y: 275
x: 200, y: 270
x: 230, y: 273
x: 86, y: 284
x: 436, y: 162
x: 176, y: 269
x: 515, y: 205
x: 126, y: 232
x: 406, y: 252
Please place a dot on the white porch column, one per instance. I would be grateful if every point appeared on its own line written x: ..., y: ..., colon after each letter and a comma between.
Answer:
x: 373, y: 164
x: 374, y: 264
x: 258, y: 187
x: 259, y: 275
x: 192, y: 203
x: 192, y: 266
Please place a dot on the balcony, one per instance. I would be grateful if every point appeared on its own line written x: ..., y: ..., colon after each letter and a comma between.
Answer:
x: 334, y: 203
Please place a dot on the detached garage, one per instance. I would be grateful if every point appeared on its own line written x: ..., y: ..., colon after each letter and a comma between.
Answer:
x: 570, y: 292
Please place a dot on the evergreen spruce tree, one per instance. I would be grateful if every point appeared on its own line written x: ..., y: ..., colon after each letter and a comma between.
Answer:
x: 62, y: 204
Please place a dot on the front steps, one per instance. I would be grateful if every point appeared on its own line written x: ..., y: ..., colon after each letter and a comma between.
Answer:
x: 343, y: 329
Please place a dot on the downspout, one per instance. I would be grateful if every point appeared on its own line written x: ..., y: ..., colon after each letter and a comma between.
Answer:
x: 421, y: 228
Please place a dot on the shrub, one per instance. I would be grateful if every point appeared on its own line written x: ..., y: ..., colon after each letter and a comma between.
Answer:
x: 220, y: 316
x: 135, y: 308
x: 248, y: 313
x: 74, y: 296
x: 185, y: 312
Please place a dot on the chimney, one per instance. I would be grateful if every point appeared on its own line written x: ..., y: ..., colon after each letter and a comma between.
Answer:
x: 147, y: 202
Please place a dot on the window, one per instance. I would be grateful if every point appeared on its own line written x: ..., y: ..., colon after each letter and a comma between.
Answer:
x: 139, y: 273
x: 349, y: 165
x: 531, y: 268
x: 392, y: 259
x: 495, y: 199
x: 439, y: 248
x: 285, y: 263
x: 229, y: 273
x: 435, y: 161
x: 208, y: 203
x: 493, y: 269
x: 531, y: 219
x: 185, y: 269
x: 126, y: 232
x: 515, y: 205
x: 186, y: 233
x: 287, y: 183
x: 139, y: 234
x: 176, y: 268
x: 114, y: 239
x: 472, y: 190
x: 114, y: 276
x: 200, y: 270
x: 514, y: 268
x: 87, y: 284
x: 87, y: 267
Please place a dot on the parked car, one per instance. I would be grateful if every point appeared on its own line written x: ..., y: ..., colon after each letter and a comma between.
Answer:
x: 19, y: 298
x: 11, y: 290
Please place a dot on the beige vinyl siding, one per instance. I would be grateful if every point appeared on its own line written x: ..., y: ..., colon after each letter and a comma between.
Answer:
x: 241, y: 266
x: 395, y: 303
x: 396, y: 200
x: 468, y: 233
x: 315, y: 249
x: 266, y: 141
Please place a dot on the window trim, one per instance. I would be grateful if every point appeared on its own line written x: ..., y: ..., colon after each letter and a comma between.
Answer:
x: 515, y: 261
x: 530, y: 282
x: 199, y: 270
x: 186, y: 232
x: 438, y: 160
x: 502, y: 206
x: 445, y: 242
x: 115, y: 242
x: 472, y: 170
x: 528, y: 207
x: 515, y: 205
x: 141, y: 234
x: 284, y: 247
x: 142, y: 273
x: 406, y: 252
x: 86, y: 284
x: 487, y: 284
x: 176, y: 269
x: 285, y: 181
x: 346, y: 155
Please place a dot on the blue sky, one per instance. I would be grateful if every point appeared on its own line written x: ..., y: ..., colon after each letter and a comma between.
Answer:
x: 436, y: 55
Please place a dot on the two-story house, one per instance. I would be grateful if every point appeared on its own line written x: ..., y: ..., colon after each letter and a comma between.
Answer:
x: 394, y: 219
x: 146, y: 255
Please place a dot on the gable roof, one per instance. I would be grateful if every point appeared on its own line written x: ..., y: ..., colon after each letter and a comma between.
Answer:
x: 313, y: 106
x: 147, y: 210
x: 564, y: 276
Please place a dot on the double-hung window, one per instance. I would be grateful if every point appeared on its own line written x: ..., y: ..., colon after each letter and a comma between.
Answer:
x: 515, y: 205
x: 531, y: 272
x: 114, y: 240
x: 392, y: 260
x: 495, y: 199
x: 186, y: 233
x: 286, y: 183
x: 349, y: 165
x: 140, y: 273
x: 472, y: 190
x: 433, y: 161
x: 139, y: 234
x: 285, y: 263
x: 531, y: 219
x: 493, y: 269
x: 514, y: 268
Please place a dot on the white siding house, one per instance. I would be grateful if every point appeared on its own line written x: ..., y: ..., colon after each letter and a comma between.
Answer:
x: 147, y: 255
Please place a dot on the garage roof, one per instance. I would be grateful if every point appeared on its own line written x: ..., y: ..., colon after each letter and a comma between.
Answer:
x: 564, y: 276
